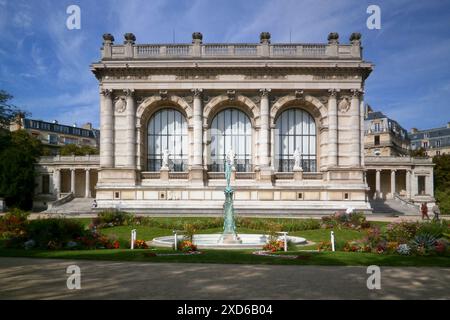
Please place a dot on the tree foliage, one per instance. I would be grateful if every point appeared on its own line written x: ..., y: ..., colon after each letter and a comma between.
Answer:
x: 18, y: 156
x: 73, y: 149
x: 7, y: 111
x: 442, y: 181
x: 420, y: 153
x: 17, y: 169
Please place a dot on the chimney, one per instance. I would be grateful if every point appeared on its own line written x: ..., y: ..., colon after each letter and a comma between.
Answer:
x: 448, y: 124
x: 414, y: 130
x: 55, y: 121
x: 74, y: 125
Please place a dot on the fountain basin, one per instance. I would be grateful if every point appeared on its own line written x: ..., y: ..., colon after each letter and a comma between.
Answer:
x: 211, y: 241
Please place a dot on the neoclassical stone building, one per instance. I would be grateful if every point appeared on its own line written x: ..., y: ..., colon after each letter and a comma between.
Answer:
x: 265, y: 102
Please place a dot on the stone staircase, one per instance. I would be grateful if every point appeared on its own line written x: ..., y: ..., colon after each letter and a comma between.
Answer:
x: 393, y: 207
x: 75, y: 206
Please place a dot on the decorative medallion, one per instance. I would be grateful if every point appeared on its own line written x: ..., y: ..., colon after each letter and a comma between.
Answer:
x: 344, y: 105
x: 120, y: 105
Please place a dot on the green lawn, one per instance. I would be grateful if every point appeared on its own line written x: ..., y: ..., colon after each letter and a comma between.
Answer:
x: 235, y: 256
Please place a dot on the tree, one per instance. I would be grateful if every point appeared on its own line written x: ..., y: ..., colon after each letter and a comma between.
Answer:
x: 17, y: 169
x: 420, y: 153
x: 442, y: 181
x: 73, y: 149
x: 18, y: 156
x: 7, y: 111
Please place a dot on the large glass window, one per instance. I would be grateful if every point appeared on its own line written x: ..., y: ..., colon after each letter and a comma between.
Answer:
x: 295, y: 129
x: 231, y: 129
x: 167, y: 129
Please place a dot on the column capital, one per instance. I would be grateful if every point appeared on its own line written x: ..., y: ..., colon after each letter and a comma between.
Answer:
x: 264, y: 92
x: 356, y: 93
x: 106, y: 92
x: 129, y: 92
x: 333, y: 92
x: 72, y: 169
x: 393, y: 171
x: 87, y: 169
x: 197, y: 92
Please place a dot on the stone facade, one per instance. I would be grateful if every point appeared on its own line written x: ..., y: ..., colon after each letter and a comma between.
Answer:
x: 260, y: 82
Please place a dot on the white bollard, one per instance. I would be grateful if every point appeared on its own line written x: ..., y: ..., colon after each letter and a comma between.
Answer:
x: 175, y: 240
x: 133, y: 238
x: 332, y: 241
x: 284, y: 234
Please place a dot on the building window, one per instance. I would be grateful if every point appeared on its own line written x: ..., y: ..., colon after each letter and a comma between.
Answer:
x: 376, y: 140
x: 425, y: 144
x: 52, y: 139
x: 438, y: 143
x: 45, y: 184
x: 377, y: 127
x: 167, y: 129
x: 231, y: 129
x: 295, y: 129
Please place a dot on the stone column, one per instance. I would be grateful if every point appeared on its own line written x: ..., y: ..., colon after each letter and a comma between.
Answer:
x: 196, y: 167
x: 393, y: 183
x: 414, y: 185
x: 198, y: 128
x: 87, y: 193
x: 378, y: 184
x: 408, y: 184
x: 264, y: 131
x: 106, y: 129
x: 332, y: 129
x: 429, y: 185
x: 57, y: 177
x: 131, y: 128
x: 72, y: 180
x: 355, y: 154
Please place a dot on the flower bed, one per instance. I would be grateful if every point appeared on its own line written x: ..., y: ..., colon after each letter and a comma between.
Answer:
x: 405, y: 238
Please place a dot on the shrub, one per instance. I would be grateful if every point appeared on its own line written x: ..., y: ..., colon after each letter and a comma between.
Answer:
x: 324, y: 246
x: 140, y: 244
x: 274, y: 245
x: 435, y: 228
x: 111, y: 218
x: 401, y: 232
x: 189, y: 231
x: 188, y: 246
x: 423, y: 244
x: 13, y: 224
x: 54, y: 233
x: 404, y: 249
x: 354, y: 220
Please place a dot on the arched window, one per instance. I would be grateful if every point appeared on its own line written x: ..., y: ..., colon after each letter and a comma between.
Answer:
x: 231, y: 129
x: 295, y: 128
x: 167, y: 129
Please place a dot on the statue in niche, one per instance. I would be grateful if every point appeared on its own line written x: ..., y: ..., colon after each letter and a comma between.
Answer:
x: 165, y: 159
x: 297, y: 159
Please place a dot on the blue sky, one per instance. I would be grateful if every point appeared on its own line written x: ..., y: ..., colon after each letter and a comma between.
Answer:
x: 46, y: 66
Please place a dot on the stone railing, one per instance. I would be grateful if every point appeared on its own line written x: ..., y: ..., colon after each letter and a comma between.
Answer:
x: 369, y: 160
x: 244, y: 50
x: 90, y: 159
x: 264, y: 49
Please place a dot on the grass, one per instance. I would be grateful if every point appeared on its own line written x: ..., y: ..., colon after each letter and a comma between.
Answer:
x: 339, y: 258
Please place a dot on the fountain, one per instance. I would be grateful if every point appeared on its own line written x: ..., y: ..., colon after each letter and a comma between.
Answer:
x: 229, y: 239
x: 229, y: 235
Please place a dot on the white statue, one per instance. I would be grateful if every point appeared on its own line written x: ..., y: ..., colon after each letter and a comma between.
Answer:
x: 297, y: 159
x: 165, y: 159
x: 231, y: 156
